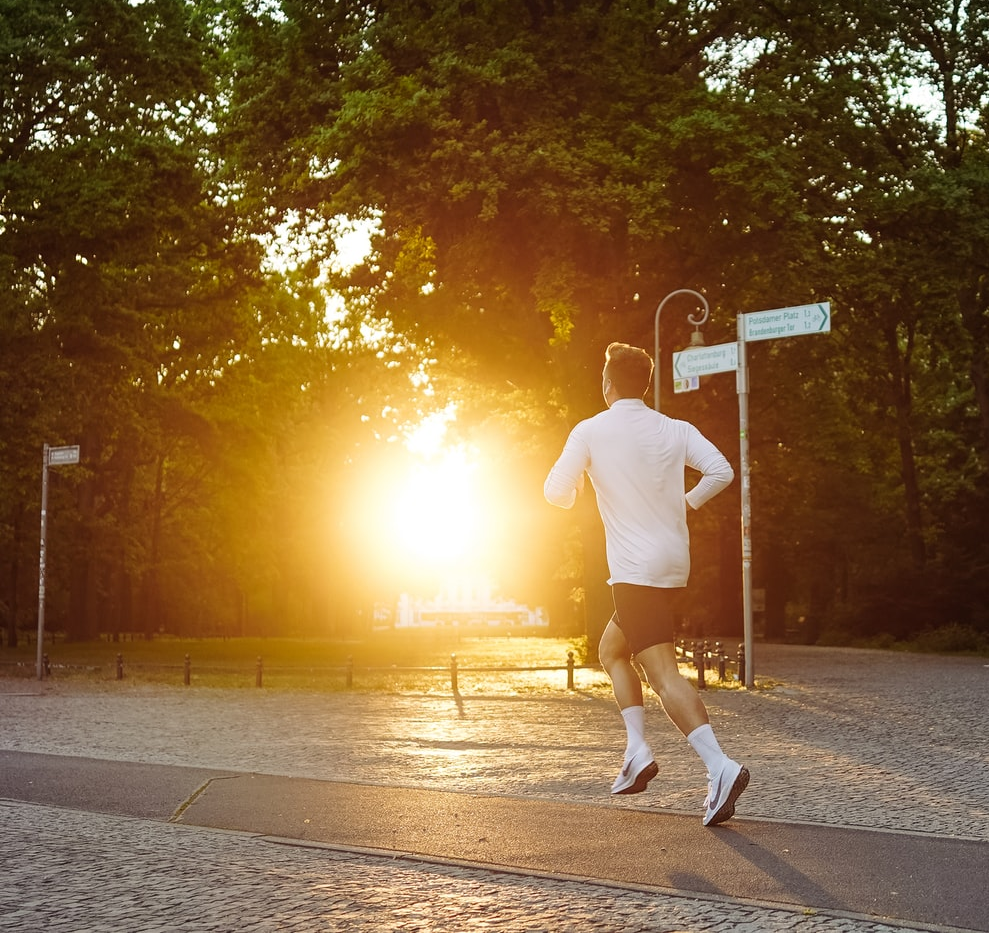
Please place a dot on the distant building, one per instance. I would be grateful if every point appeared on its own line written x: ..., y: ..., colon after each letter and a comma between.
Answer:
x: 469, y: 609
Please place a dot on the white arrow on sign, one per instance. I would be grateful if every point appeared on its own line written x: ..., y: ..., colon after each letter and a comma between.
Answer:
x: 702, y: 361
x: 787, y: 322
x: 64, y: 455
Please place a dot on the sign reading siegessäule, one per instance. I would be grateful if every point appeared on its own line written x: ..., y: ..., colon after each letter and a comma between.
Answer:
x: 703, y: 361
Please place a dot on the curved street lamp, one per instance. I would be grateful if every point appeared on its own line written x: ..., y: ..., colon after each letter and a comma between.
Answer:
x: 656, y: 335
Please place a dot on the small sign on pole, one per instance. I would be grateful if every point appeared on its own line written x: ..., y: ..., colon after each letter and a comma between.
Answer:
x: 68, y: 454
x: 687, y: 384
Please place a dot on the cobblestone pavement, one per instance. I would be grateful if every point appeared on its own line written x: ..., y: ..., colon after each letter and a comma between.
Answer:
x: 865, y: 739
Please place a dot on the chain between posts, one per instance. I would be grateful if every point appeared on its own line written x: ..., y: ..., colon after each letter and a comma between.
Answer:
x: 698, y: 653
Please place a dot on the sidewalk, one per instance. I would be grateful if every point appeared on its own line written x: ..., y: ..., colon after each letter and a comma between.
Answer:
x: 868, y: 768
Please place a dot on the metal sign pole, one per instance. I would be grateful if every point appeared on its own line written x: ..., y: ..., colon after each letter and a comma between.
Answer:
x: 64, y: 454
x: 742, y: 388
x: 41, y: 563
x: 692, y: 363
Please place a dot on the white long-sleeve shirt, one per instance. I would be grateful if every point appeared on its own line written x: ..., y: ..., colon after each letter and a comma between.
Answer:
x: 635, y: 458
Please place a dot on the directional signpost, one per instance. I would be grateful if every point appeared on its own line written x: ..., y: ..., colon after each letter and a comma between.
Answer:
x: 68, y: 454
x: 787, y: 322
x: 64, y: 455
x: 703, y: 361
x: 691, y: 364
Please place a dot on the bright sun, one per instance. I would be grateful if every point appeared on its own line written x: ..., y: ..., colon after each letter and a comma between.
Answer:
x: 437, y: 514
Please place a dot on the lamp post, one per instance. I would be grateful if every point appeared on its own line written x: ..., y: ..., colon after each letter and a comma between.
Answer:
x: 656, y: 335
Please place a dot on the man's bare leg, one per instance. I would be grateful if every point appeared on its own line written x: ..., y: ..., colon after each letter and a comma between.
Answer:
x: 726, y: 778
x: 638, y: 766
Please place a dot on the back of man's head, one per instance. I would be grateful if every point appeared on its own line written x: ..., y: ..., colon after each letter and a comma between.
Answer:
x: 629, y: 368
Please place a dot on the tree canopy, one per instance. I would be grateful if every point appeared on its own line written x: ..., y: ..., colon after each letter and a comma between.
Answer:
x: 534, y: 178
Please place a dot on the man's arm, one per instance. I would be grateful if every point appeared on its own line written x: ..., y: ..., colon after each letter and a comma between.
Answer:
x: 566, y: 477
x: 716, y: 471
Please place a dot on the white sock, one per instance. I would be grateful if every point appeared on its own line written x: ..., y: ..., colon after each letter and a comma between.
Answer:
x: 705, y: 745
x: 635, y: 718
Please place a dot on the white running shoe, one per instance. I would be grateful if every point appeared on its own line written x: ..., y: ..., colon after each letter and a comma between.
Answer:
x: 637, y: 771
x: 723, y: 790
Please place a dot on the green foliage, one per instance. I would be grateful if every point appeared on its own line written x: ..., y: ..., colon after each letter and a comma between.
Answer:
x: 951, y: 639
x: 537, y: 177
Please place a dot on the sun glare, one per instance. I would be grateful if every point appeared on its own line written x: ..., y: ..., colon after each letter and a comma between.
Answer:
x: 437, y: 515
x: 439, y: 520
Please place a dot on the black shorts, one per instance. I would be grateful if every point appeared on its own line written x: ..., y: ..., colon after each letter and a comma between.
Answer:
x: 645, y: 614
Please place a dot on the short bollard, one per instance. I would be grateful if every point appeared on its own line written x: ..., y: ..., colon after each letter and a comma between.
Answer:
x: 46, y: 665
x: 257, y: 673
x: 120, y: 667
x: 570, y: 671
x: 186, y: 671
x: 350, y: 671
x: 699, y: 663
x: 721, y: 661
x: 741, y: 662
x: 453, y: 673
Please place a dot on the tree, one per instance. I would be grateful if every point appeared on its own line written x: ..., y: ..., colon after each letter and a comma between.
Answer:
x: 123, y: 266
x: 536, y: 177
x: 540, y: 174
